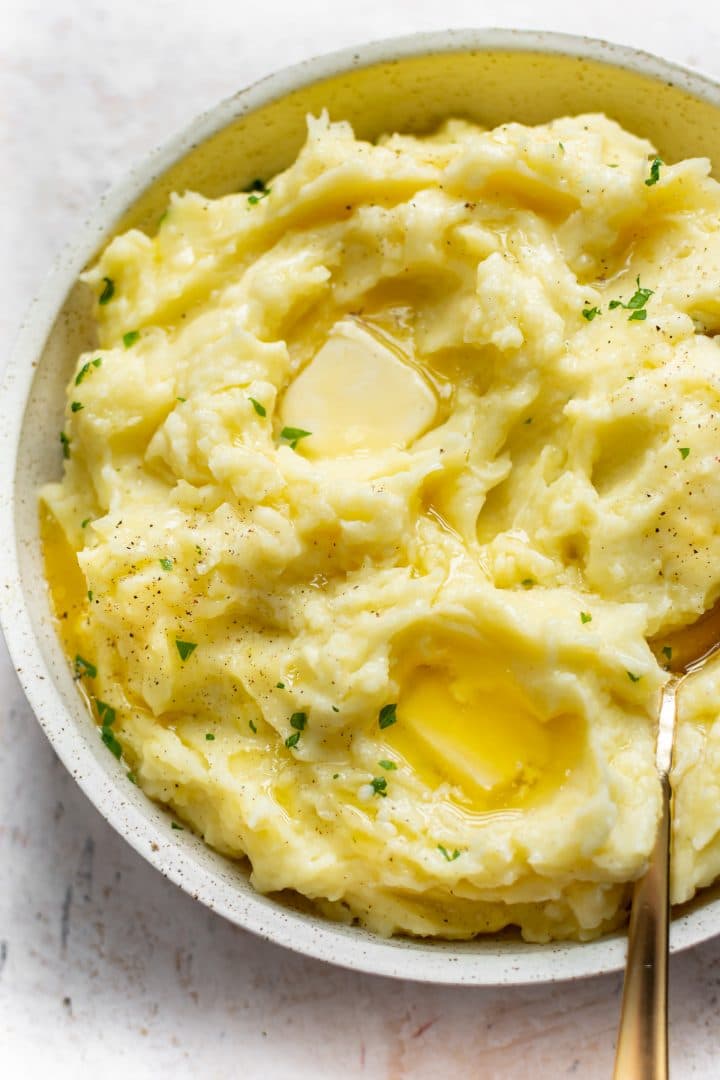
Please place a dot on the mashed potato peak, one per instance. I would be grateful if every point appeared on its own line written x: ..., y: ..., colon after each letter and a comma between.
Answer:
x: 378, y: 482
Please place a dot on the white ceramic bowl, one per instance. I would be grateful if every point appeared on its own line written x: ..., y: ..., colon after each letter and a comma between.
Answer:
x: 411, y: 83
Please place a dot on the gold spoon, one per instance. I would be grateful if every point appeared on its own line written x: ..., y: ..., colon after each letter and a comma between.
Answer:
x: 642, y: 1047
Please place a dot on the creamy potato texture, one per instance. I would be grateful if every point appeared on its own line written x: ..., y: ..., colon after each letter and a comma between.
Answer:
x: 378, y: 483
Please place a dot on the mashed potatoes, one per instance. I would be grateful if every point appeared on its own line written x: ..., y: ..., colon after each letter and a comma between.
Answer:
x: 379, y: 480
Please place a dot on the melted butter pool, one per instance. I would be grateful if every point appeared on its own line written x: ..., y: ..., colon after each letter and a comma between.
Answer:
x: 478, y: 732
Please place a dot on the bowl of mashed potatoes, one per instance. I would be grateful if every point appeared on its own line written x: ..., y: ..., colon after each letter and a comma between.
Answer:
x: 374, y: 428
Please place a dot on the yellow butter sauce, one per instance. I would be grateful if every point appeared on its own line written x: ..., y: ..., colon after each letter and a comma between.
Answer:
x: 66, y: 584
x: 467, y: 724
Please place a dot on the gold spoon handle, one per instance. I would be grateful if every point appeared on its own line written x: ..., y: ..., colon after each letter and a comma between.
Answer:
x: 642, y: 1049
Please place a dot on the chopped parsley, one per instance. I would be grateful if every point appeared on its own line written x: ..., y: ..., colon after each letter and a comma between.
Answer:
x: 209, y: 736
x: 585, y: 617
x: 174, y: 825
x: 633, y: 678
x: 298, y: 720
x: 251, y: 725
x: 379, y: 785
x: 446, y: 854
x: 162, y: 217
x: 589, y: 313
x: 292, y: 740
x: 130, y: 338
x: 85, y: 369
x: 258, y: 407
x: 654, y: 172
x: 562, y: 148
x: 528, y: 421
x: 294, y: 435
x: 90, y: 595
x: 181, y: 399
x: 279, y: 685
x: 684, y: 451
x: 106, y: 716
x: 167, y: 564
x: 65, y: 442
x: 132, y: 777
x: 108, y: 291
x: 335, y: 708
x: 527, y: 583
x: 84, y: 523
x: 387, y: 716
x: 667, y: 652
x: 76, y: 406
x: 388, y: 765
x: 257, y: 191
x: 111, y: 742
x: 185, y: 648
x: 84, y: 667
x: 106, y: 713
x: 636, y: 303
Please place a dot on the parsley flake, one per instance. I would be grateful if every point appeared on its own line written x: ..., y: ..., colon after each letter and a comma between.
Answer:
x: 279, y: 685
x: 84, y: 667
x: 209, y: 736
x: 585, y: 617
x: 185, y: 648
x: 251, y: 725
x: 111, y: 742
x: 174, y: 825
x: 446, y: 854
x: 589, y: 313
x: 76, y: 406
x: 90, y: 595
x: 654, y: 172
x: 258, y: 192
x: 684, y: 451
x: 294, y: 435
x: 292, y: 740
x: 298, y: 720
x: 387, y: 716
x: 65, y: 442
x: 132, y: 777
x: 633, y: 678
x: 379, y: 785
x: 667, y: 652
x: 527, y: 583
x: 84, y: 370
x: 130, y: 338
x: 85, y: 522
x: 108, y: 290
x: 388, y: 765
x: 335, y: 708
x: 258, y: 407
x: 97, y: 361
x: 636, y: 303
x: 167, y: 564
x: 106, y: 713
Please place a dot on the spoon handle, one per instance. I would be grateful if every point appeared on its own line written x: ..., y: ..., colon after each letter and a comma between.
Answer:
x: 642, y: 1048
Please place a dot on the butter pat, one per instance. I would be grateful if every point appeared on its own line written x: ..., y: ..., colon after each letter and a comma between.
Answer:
x: 357, y: 393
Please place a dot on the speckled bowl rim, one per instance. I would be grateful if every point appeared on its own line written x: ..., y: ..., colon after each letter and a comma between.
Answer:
x: 490, y: 962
